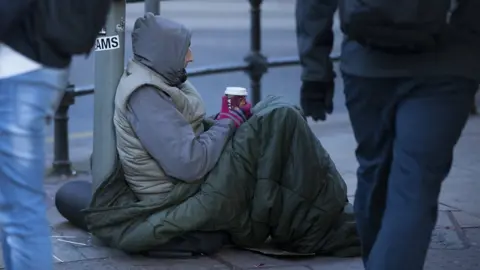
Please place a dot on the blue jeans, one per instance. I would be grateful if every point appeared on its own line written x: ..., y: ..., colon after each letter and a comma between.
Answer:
x: 406, y: 130
x: 26, y: 104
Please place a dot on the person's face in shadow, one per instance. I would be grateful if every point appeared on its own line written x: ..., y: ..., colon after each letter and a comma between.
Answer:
x: 188, y: 57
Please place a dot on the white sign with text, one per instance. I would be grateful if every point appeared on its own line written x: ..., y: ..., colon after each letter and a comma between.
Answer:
x: 107, y: 43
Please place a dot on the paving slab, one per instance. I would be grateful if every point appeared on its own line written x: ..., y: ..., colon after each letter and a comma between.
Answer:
x: 466, y: 220
x: 141, y: 263
x: 453, y: 243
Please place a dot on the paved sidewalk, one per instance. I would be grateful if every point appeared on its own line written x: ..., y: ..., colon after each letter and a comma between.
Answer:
x: 455, y: 245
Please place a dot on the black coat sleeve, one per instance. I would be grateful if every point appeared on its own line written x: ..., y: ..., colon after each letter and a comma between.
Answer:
x: 314, y: 23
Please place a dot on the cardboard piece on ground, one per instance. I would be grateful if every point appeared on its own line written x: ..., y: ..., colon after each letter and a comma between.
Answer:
x: 268, y: 249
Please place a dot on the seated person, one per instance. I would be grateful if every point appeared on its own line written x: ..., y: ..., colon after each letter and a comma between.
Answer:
x: 258, y: 174
x: 159, y: 116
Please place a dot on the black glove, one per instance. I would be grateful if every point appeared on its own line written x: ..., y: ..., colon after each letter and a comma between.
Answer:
x: 316, y: 99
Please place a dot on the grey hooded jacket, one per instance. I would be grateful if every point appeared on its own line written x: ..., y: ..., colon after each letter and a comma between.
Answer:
x: 460, y: 57
x: 159, y: 117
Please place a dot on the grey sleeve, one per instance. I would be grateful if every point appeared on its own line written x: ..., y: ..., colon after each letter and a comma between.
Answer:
x: 314, y: 29
x: 169, y: 138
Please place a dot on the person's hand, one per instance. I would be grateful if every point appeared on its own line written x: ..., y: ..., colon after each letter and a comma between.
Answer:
x: 239, y: 116
x: 316, y: 99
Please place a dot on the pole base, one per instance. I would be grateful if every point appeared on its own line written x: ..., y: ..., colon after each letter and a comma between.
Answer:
x: 62, y: 169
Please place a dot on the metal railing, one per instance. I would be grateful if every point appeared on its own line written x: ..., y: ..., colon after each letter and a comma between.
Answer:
x: 255, y: 65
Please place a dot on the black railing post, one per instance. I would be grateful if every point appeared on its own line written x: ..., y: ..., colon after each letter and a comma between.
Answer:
x: 257, y: 62
x: 61, y: 160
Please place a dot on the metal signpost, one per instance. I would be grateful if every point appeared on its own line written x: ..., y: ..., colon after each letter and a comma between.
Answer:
x: 152, y: 6
x: 109, y: 66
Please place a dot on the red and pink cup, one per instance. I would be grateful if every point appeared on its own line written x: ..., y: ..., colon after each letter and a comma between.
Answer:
x: 236, y: 97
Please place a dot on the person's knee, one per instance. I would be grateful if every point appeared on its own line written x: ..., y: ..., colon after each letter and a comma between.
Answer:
x: 287, y: 116
x: 415, y: 182
x: 419, y: 160
x: 293, y: 111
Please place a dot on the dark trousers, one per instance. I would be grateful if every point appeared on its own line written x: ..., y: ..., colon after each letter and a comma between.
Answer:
x: 406, y: 130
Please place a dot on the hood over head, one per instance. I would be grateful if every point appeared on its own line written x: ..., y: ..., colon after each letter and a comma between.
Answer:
x: 161, y: 45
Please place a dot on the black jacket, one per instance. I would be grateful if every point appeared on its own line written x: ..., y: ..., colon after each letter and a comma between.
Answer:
x: 460, y: 56
x: 19, y: 31
x: 10, y: 13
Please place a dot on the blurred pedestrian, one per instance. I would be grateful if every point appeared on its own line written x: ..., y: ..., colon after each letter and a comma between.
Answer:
x: 410, y: 70
x: 35, y: 52
x: 315, y: 41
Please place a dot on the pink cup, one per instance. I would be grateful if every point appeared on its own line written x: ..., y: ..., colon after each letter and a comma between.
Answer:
x: 236, y: 97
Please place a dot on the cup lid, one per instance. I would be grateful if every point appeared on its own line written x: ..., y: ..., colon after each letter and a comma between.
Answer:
x: 236, y: 91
